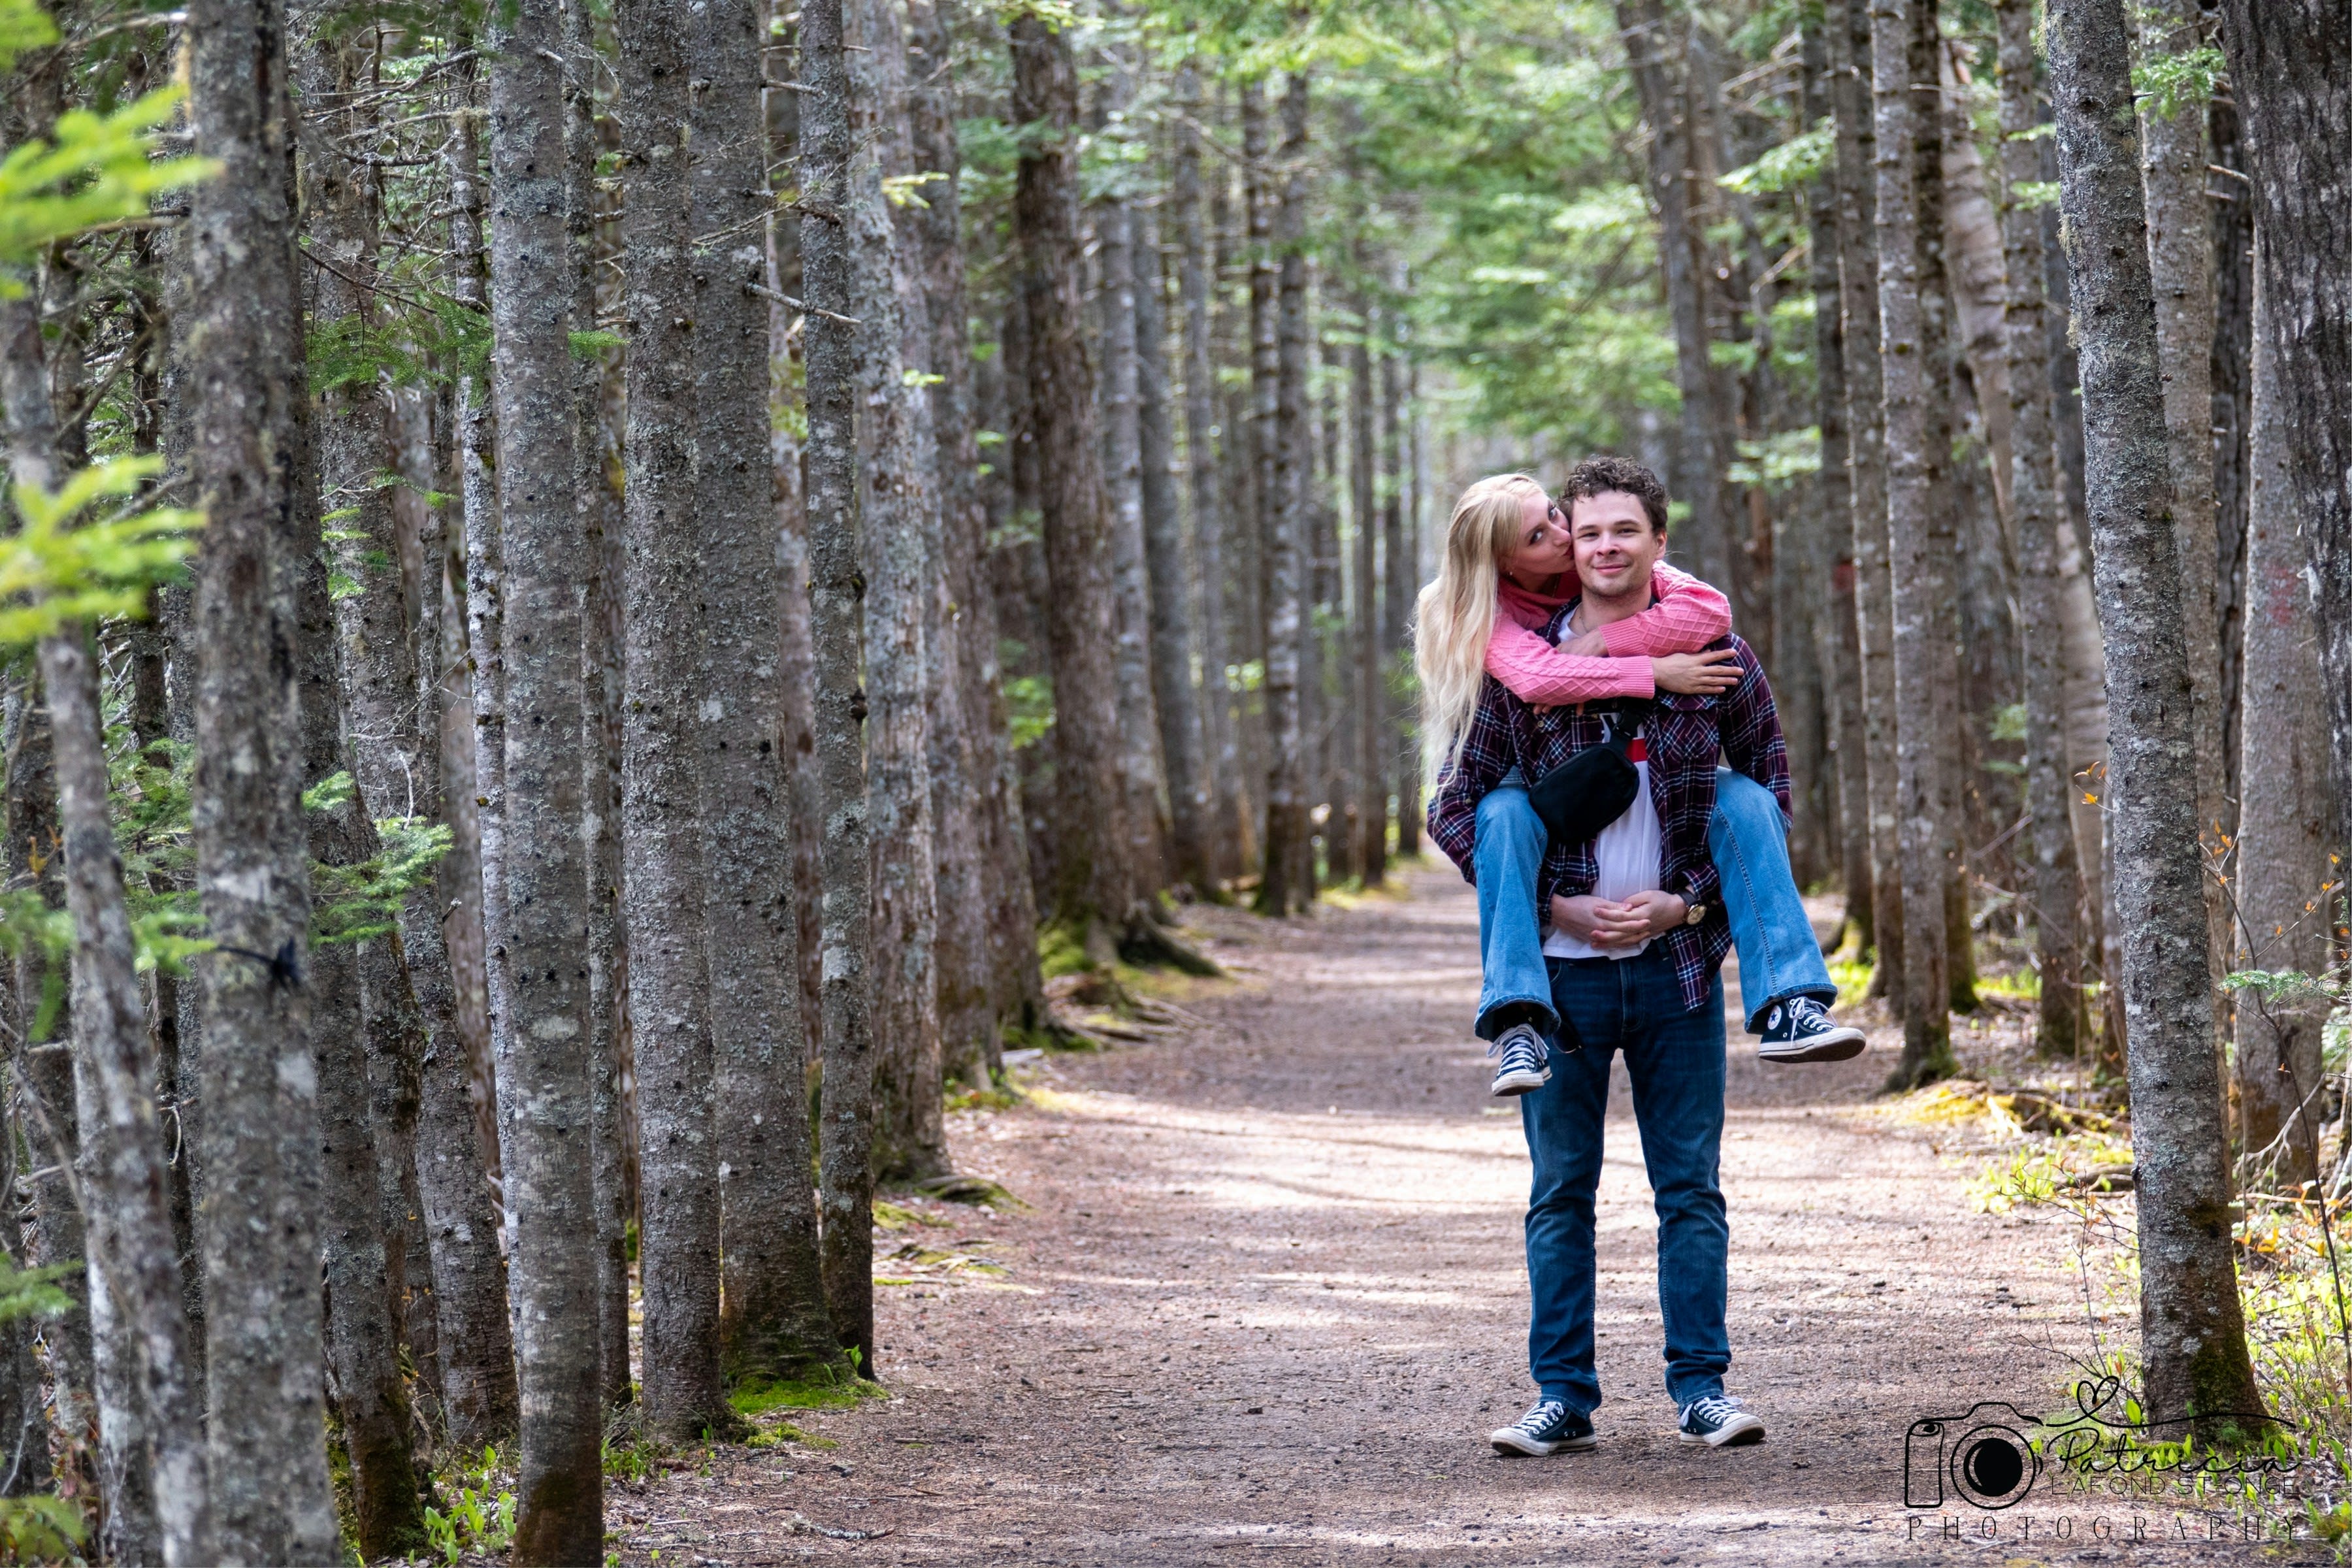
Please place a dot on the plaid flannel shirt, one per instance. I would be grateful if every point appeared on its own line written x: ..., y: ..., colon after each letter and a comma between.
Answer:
x: 1684, y: 734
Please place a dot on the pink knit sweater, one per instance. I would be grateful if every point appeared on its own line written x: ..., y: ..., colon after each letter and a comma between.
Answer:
x: 1687, y: 616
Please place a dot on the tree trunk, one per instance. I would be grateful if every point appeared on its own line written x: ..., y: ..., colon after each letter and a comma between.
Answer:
x: 796, y: 659
x: 1139, y: 766
x: 1917, y: 452
x: 2180, y: 267
x: 354, y: 1037
x: 1259, y: 198
x: 1953, y: 747
x: 664, y: 886
x: 1873, y: 585
x: 846, y: 1136
x: 485, y: 580
x: 350, y: 436
x: 100, y: 1093
x: 1831, y: 540
x: 1095, y: 884
x: 986, y: 947
x: 40, y: 1027
x: 271, y: 1499
x: 2287, y: 81
x: 2033, y: 508
x: 899, y: 472
x: 1400, y: 529
x: 602, y: 688
x: 2192, y: 1329
x: 2232, y: 371
x: 773, y: 1320
x: 93, y: 1356
x: 1289, y: 882
x: 1977, y: 271
x: 479, y: 1397
x: 546, y: 1080
x: 363, y: 1332
x: 1235, y: 585
x: 1220, y: 761
x: 2287, y: 812
x: 2086, y: 670
x: 1361, y: 668
x: 1171, y: 583
x: 134, y: 1258
x: 1327, y: 705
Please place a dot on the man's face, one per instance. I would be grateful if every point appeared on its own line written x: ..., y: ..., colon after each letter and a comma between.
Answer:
x: 1615, y: 546
x: 1542, y: 550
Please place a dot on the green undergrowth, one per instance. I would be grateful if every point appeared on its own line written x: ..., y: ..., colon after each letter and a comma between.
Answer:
x: 2022, y: 984
x: 1851, y: 969
x: 897, y: 1216
x: 1062, y: 949
x: 40, y: 1530
x: 999, y: 1096
x: 783, y: 1432
x: 480, y: 1511
x: 957, y: 1188
x: 630, y: 1455
x: 824, y: 1392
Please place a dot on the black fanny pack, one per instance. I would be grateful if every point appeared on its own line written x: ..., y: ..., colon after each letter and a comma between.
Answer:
x: 1591, y: 790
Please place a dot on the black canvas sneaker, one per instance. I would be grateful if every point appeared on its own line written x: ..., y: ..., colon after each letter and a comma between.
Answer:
x: 1801, y: 1030
x: 1549, y: 1428
x: 1525, y: 1062
x: 1719, y: 1421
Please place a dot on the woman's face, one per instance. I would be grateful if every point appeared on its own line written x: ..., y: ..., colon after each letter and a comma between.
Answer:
x: 1543, y: 549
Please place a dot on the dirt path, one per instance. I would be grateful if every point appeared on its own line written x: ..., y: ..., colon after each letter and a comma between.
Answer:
x: 1269, y: 1297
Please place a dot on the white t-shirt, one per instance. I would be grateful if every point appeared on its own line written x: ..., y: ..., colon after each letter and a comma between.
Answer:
x: 1627, y: 853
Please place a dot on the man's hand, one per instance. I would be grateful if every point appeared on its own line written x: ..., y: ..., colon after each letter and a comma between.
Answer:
x: 1600, y: 922
x: 1657, y: 912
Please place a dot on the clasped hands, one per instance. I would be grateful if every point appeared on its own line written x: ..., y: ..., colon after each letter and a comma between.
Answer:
x: 1605, y: 922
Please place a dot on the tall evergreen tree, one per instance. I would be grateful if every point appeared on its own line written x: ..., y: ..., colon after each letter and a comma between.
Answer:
x: 899, y: 475
x: 773, y: 1316
x: 664, y: 886
x: 545, y: 1080
x: 2192, y: 1326
x: 1096, y: 883
x: 1914, y: 465
x: 270, y: 1493
x: 2034, y: 504
x: 845, y: 1143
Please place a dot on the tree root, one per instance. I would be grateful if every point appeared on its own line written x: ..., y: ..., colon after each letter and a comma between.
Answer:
x: 1149, y: 942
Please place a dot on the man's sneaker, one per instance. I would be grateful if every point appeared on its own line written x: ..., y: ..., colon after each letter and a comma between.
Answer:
x: 1718, y: 1421
x: 1526, y: 1063
x: 1801, y: 1030
x: 1549, y: 1428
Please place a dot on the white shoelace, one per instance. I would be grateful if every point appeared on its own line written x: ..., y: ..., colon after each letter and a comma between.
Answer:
x: 1541, y: 1417
x: 1497, y: 1047
x: 1716, y: 1407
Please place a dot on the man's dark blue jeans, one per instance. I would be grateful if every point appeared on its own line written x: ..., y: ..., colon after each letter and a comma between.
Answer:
x: 1675, y: 1059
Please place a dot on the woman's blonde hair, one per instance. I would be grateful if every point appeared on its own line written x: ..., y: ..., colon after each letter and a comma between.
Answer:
x: 1455, y: 616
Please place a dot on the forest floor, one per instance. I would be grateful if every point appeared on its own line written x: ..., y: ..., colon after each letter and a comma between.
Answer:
x: 1266, y: 1298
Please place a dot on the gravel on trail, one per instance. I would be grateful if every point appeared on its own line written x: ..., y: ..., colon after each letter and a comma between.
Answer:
x: 1267, y: 1298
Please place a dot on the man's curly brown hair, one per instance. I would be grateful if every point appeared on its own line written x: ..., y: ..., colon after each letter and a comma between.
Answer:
x: 1603, y: 476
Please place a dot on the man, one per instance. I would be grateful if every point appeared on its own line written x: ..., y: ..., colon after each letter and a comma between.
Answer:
x: 1634, y: 941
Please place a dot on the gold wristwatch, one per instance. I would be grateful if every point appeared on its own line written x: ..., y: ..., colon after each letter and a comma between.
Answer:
x: 1696, y: 916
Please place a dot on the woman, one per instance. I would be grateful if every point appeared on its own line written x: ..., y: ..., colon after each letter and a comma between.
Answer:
x: 1508, y: 566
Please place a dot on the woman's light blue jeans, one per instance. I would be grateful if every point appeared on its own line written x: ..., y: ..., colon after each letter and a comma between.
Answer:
x: 1747, y: 838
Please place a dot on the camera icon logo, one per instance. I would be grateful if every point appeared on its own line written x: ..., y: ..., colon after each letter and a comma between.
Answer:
x: 1984, y: 1457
